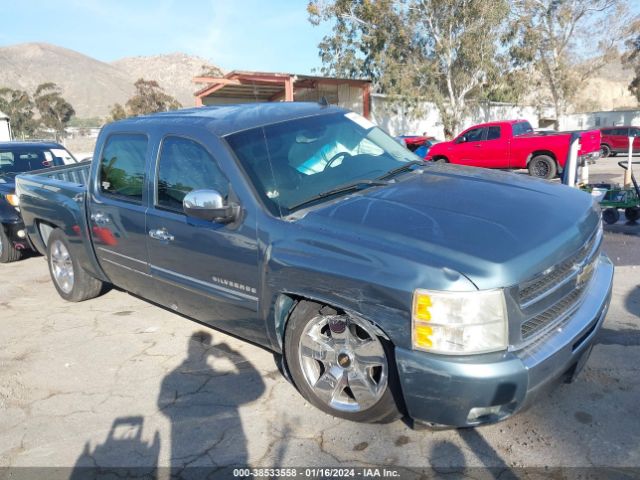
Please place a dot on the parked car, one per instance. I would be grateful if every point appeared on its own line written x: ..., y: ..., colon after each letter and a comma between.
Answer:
x: 381, y: 294
x: 513, y: 144
x: 17, y: 157
x: 616, y: 140
x: 418, y: 144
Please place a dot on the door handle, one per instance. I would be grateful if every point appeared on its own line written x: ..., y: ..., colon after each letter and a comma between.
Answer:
x: 100, y: 218
x: 162, y: 235
x: 478, y: 146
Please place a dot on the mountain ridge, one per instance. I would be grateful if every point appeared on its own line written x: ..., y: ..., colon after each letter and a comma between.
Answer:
x: 93, y: 86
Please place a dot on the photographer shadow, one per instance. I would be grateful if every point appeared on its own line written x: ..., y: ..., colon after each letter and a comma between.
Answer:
x: 202, y: 404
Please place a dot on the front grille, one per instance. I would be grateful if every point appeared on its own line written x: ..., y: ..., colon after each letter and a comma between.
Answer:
x: 542, y: 283
x: 576, y: 272
x: 548, y: 317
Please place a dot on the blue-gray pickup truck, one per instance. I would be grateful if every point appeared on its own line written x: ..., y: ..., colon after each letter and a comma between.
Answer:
x: 387, y: 286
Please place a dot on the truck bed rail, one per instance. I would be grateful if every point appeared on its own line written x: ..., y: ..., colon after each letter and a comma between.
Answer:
x: 77, y: 174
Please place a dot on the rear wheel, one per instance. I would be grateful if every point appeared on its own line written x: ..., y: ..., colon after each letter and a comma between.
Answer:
x: 340, y: 365
x: 543, y: 166
x: 72, y: 282
x: 632, y: 213
x: 605, y: 150
x: 440, y: 160
x: 8, y: 253
x: 611, y: 215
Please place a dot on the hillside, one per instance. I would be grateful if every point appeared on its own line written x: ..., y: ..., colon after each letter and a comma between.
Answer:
x: 90, y: 85
x: 173, y: 72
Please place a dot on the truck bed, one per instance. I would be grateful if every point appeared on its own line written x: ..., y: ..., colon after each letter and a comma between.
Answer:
x: 55, y: 198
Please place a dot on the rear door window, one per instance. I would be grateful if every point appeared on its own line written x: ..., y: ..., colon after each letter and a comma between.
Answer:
x: 122, y: 166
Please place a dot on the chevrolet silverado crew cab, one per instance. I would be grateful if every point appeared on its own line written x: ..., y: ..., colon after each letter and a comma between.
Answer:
x: 513, y: 144
x: 308, y: 230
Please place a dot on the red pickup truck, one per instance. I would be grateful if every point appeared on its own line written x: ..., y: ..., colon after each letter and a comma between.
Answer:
x: 514, y: 144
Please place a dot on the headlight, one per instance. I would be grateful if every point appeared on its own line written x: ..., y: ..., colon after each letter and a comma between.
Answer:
x: 459, y: 323
x: 13, y: 199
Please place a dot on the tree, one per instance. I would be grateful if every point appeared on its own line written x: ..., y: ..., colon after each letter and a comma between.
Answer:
x: 631, y: 56
x: 210, y: 71
x: 150, y: 98
x: 549, y: 35
x: 19, y: 106
x: 444, y: 51
x: 117, y: 113
x: 55, y: 111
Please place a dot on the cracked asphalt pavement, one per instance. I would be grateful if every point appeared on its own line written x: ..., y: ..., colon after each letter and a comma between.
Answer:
x: 116, y: 381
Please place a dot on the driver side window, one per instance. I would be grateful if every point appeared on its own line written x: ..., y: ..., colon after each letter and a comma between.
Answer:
x: 184, y: 166
x: 473, y: 135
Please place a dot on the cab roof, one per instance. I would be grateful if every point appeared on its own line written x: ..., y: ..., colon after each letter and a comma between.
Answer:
x: 224, y: 120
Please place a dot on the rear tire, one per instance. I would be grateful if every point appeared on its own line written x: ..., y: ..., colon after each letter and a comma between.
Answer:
x: 543, y: 166
x: 440, y: 160
x: 8, y: 253
x: 611, y: 216
x: 605, y: 150
x: 340, y: 365
x: 632, y: 213
x: 72, y: 282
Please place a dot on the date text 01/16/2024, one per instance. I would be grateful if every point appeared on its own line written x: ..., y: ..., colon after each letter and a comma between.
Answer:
x: 317, y: 472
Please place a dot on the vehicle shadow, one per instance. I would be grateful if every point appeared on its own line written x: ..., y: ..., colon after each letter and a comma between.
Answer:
x: 632, y: 302
x: 202, y: 403
x: 447, y: 459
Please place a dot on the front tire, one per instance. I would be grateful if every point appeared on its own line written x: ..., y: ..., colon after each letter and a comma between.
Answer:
x: 8, y: 253
x: 340, y: 365
x: 605, y: 150
x: 611, y: 216
x: 543, y: 166
x: 72, y: 282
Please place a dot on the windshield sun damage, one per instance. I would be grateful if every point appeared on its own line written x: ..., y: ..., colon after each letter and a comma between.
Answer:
x: 294, y: 162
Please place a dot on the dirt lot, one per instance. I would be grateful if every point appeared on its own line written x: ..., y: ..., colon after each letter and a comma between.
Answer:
x: 118, y: 382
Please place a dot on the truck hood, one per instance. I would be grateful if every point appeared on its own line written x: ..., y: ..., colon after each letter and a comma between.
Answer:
x: 495, y: 228
x: 7, y: 183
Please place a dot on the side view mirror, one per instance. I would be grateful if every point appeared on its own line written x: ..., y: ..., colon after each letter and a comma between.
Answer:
x: 209, y: 205
x: 461, y: 139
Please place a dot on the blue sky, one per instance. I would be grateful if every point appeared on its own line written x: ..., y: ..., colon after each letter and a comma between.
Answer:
x: 267, y: 35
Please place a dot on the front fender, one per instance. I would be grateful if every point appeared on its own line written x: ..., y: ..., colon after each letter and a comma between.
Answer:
x: 372, y: 285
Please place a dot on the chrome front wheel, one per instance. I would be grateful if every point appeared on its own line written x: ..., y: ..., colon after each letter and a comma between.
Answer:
x: 339, y: 364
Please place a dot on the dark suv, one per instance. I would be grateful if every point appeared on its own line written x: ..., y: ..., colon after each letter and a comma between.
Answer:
x: 615, y: 140
x: 19, y: 157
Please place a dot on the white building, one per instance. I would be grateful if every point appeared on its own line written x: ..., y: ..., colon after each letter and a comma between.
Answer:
x: 396, y: 121
x: 5, y: 128
x: 582, y: 121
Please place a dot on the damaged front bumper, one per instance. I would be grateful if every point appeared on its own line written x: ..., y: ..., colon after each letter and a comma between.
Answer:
x: 464, y: 391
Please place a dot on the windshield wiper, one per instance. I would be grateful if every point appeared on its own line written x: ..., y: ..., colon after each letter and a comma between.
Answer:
x: 403, y: 168
x: 349, y: 187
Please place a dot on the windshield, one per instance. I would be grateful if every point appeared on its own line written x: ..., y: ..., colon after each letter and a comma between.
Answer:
x: 295, y: 161
x: 20, y: 159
